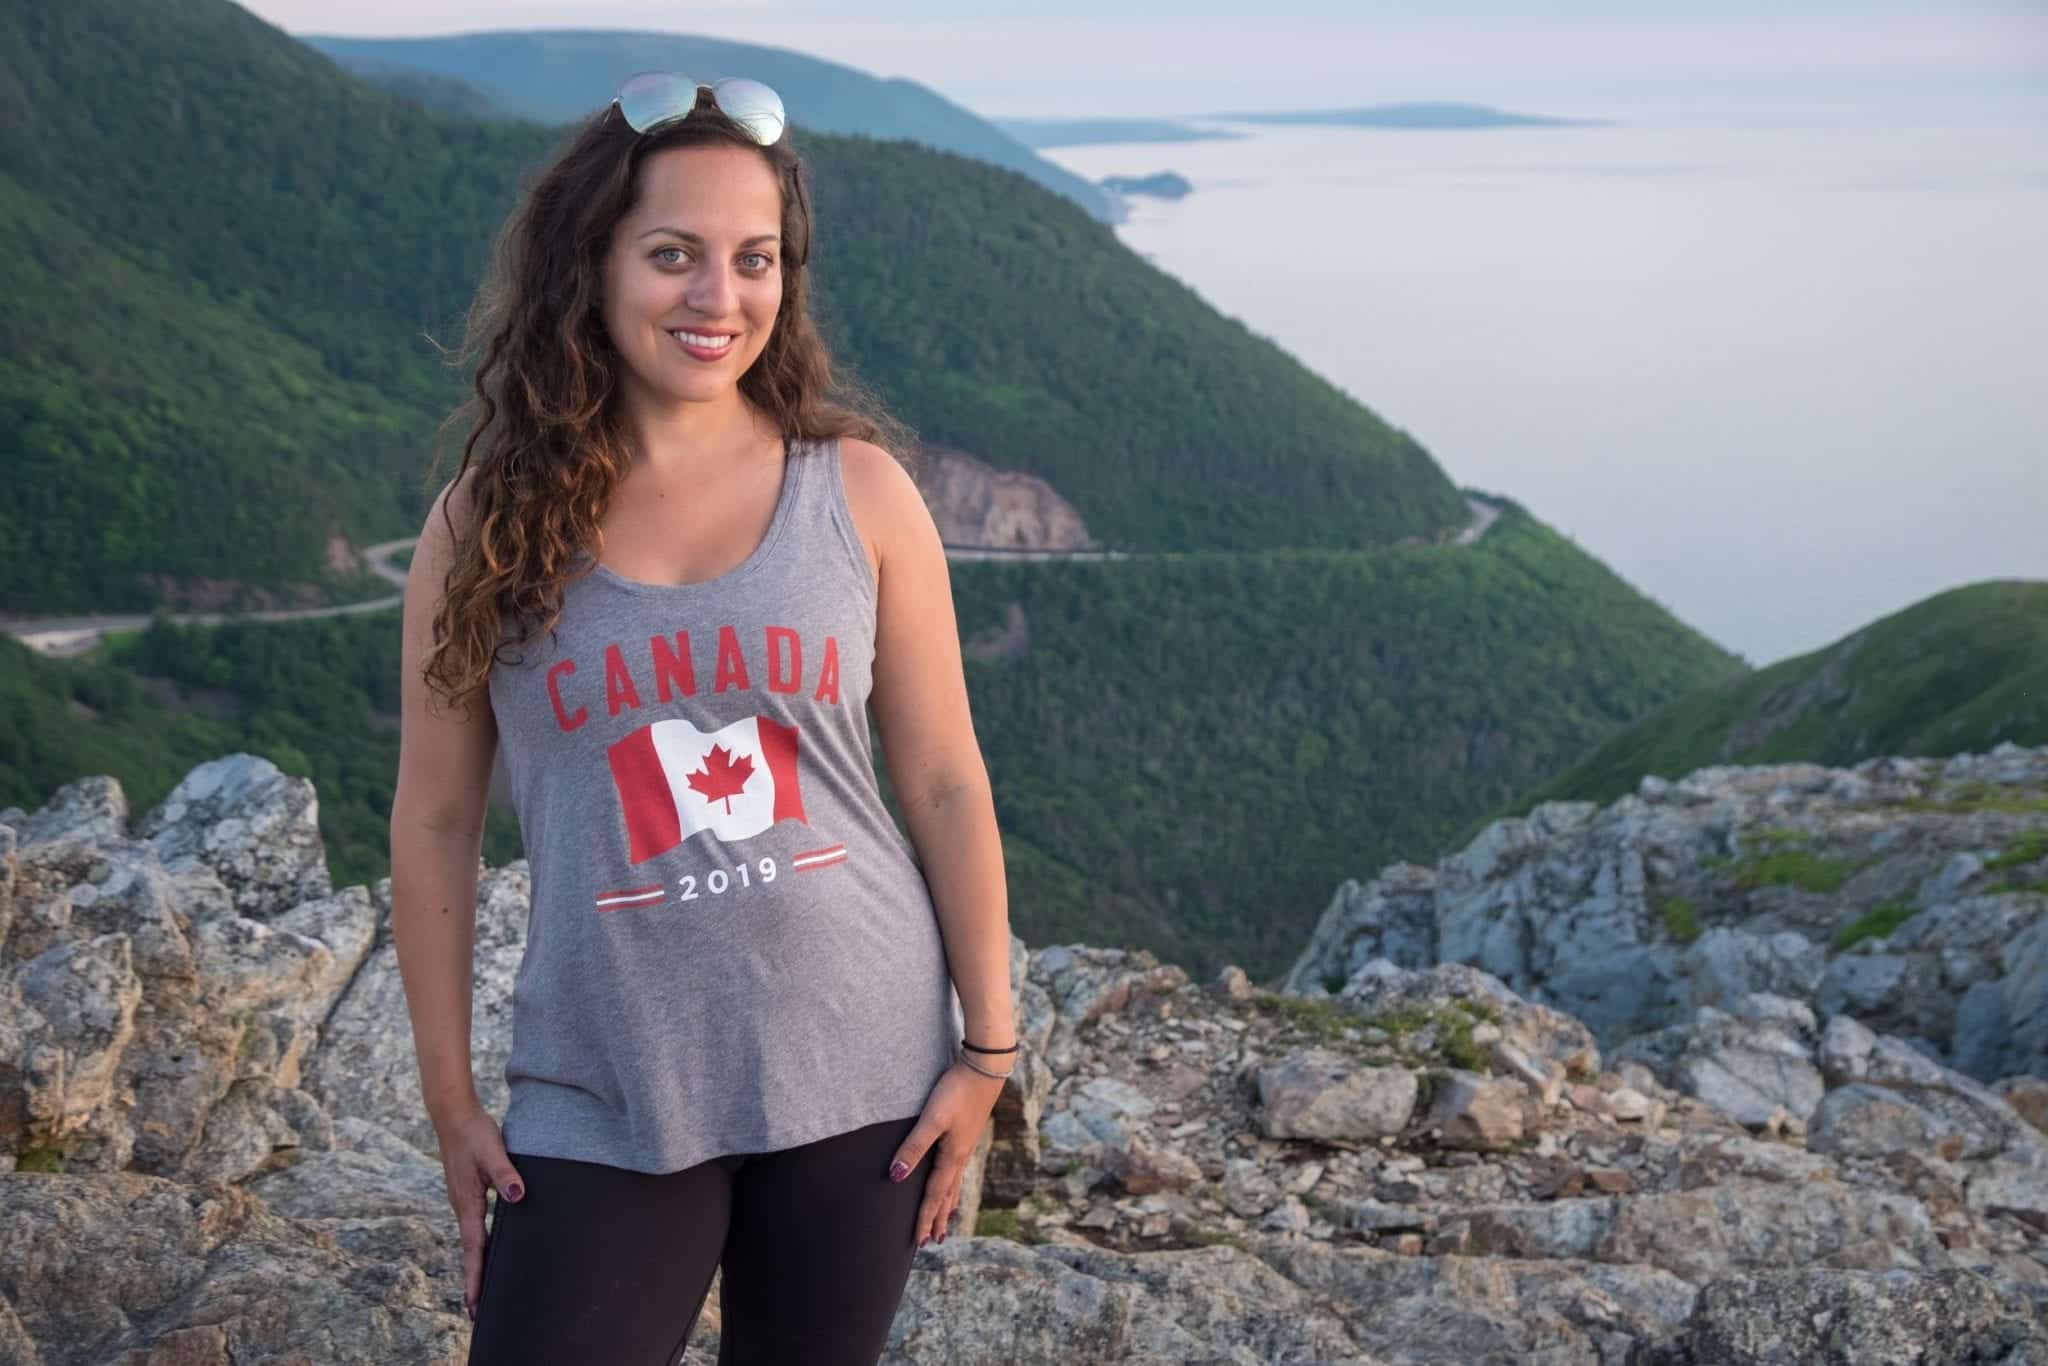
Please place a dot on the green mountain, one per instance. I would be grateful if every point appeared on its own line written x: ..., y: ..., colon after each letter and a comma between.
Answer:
x: 223, y: 293
x: 1955, y: 673
x: 559, y: 76
x: 429, y: 88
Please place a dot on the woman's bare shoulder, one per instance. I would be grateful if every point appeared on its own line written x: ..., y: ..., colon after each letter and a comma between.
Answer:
x: 883, y: 497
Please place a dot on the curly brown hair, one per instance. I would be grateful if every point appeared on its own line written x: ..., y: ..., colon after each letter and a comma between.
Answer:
x: 547, y: 442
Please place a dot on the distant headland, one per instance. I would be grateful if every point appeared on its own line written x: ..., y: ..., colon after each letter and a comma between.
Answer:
x: 1042, y: 133
x: 1426, y: 115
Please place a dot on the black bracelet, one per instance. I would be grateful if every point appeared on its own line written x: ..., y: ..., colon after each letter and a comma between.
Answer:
x: 964, y: 1044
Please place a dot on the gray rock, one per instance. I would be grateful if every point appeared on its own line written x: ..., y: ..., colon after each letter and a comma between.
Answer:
x: 366, y: 1064
x: 1851, y: 1052
x: 117, y: 1266
x: 1802, y: 1316
x: 1481, y: 1113
x: 89, y: 811
x: 1725, y: 965
x: 1316, y: 1094
x: 990, y: 1302
x: 257, y: 829
x: 1861, y: 1120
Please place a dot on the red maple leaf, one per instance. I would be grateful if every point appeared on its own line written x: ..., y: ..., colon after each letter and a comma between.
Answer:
x: 720, y: 778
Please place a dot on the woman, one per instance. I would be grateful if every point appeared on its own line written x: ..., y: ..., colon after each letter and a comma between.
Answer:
x: 753, y: 1027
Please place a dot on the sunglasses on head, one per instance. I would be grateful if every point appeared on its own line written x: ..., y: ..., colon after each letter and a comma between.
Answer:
x: 653, y: 98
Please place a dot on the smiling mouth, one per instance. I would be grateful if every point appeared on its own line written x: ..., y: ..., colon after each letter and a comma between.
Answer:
x: 705, y: 345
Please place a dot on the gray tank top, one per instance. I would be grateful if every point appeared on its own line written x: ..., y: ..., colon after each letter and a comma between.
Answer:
x: 731, y: 947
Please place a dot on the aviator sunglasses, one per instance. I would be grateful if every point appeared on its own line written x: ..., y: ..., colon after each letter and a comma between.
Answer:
x: 653, y: 98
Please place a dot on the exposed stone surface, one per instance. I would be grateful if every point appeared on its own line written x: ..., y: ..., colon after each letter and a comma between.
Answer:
x: 975, y: 504
x: 209, y: 1114
x: 1733, y: 883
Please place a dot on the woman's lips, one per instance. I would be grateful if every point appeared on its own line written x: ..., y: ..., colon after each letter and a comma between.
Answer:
x: 705, y: 345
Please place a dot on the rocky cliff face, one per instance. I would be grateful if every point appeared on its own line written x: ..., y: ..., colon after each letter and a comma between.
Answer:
x: 976, y: 504
x: 1522, y: 1106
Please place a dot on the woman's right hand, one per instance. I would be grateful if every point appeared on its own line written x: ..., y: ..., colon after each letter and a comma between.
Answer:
x: 473, y: 1159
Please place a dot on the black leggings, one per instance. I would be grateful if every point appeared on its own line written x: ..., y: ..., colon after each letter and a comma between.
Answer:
x: 608, y: 1266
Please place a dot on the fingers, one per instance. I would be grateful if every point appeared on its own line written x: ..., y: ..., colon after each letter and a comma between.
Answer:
x: 504, y: 1178
x: 914, y: 1145
x: 941, y: 1197
x: 470, y: 1219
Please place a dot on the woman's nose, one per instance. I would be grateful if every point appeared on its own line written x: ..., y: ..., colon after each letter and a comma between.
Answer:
x: 711, y: 291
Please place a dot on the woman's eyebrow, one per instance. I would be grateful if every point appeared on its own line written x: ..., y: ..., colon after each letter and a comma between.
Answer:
x: 753, y: 241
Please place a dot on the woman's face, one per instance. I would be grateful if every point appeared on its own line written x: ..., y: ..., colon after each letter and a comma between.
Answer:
x: 693, y: 278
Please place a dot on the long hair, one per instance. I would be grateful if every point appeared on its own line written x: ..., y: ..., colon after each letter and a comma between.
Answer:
x: 548, y: 443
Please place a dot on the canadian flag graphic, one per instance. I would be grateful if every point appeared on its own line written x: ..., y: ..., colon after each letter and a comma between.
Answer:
x: 675, y: 780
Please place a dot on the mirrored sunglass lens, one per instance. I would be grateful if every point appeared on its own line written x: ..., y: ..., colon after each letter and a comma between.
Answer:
x: 752, y: 105
x: 655, y: 97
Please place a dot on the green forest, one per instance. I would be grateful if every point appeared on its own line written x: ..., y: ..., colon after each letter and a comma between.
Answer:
x: 1956, y: 673
x: 226, y: 291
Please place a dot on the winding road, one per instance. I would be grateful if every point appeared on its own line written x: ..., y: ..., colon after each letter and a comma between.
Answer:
x: 67, y: 636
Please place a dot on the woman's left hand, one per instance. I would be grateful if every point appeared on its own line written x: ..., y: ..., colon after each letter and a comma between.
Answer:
x: 954, y: 1116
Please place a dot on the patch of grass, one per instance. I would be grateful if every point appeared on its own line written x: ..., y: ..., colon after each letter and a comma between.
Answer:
x: 1795, y: 868
x: 1680, y: 917
x: 1776, y: 836
x: 43, y: 1157
x: 1876, y: 923
x: 1978, y: 796
x: 1453, y: 1025
x: 2029, y: 848
x: 1212, y: 1237
x: 1004, y: 1223
x: 249, y: 1033
x: 1323, y: 1021
x: 2039, y: 888
x: 1327, y: 1022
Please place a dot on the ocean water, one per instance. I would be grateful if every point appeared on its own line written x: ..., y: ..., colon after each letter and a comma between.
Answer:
x: 1786, y: 379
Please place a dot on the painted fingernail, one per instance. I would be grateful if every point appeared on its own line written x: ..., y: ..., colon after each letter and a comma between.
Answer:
x: 942, y: 1236
x: 897, y: 1170
x: 515, y: 1190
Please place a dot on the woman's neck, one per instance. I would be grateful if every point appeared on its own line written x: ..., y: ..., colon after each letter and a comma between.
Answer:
x: 681, y: 438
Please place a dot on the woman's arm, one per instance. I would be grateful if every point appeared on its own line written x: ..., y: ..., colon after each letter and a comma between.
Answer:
x: 919, y: 702
x: 437, y: 819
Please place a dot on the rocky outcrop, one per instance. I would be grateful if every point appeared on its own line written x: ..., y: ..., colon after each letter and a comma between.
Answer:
x: 1735, y: 882
x: 211, y: 1148
x: 976, y: 504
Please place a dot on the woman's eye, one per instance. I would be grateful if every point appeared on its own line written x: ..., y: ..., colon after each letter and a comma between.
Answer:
x: 752, y: 260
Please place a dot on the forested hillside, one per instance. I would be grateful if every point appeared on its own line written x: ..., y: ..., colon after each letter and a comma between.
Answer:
x: 221, y: 287
x: 1956, y: 673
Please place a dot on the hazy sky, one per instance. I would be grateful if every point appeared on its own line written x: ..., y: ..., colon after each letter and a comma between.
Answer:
x: 1961, y: 60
